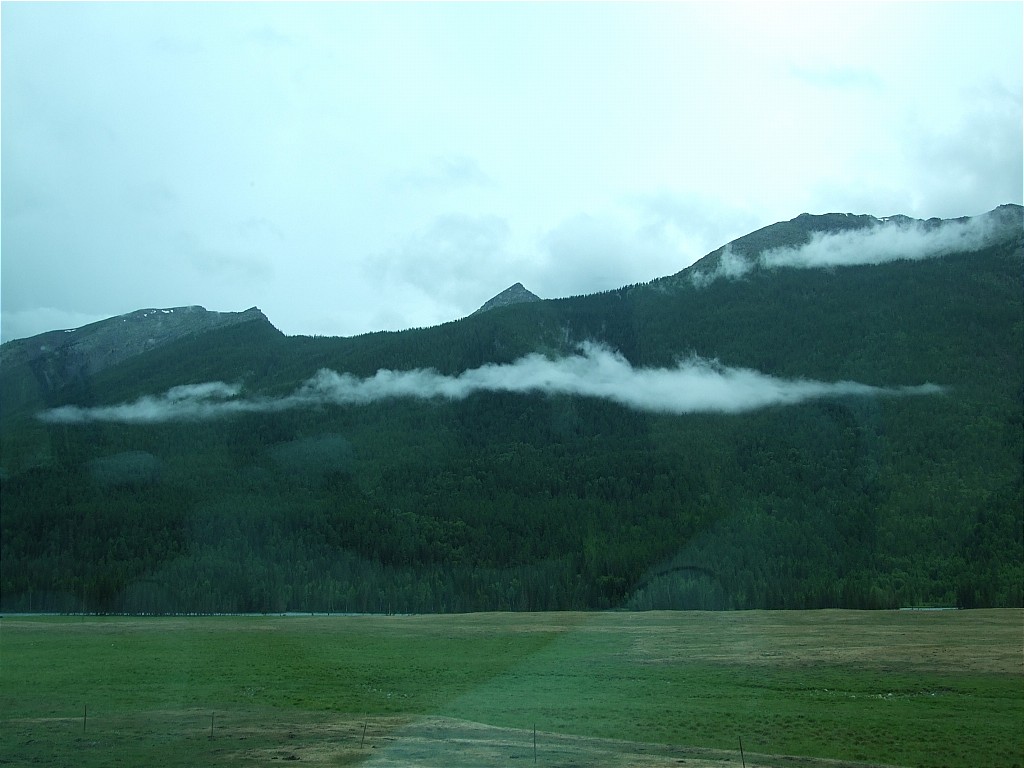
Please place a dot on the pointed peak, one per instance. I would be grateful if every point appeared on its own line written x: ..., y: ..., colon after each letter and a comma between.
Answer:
x: 514, y: 294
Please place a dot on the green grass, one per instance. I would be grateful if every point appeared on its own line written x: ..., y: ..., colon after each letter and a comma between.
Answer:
x: 912, y: 689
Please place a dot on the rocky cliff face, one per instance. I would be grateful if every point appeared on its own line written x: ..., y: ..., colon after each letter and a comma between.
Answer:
x: 59, y: 357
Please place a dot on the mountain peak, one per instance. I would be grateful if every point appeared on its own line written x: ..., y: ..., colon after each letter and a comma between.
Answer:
x: 62, y: 355
x: 514, y: 294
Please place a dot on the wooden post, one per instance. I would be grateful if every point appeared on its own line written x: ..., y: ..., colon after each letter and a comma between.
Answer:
x: 742, y: 758
x: 211, y: 725
x: 85, y: 716
x: 534, y: 743
x: 364, y: 735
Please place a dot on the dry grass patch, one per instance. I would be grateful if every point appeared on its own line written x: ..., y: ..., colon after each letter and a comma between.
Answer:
x: 982, y: 641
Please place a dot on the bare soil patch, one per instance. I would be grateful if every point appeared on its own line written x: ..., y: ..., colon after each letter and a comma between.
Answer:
x: 438, y: 742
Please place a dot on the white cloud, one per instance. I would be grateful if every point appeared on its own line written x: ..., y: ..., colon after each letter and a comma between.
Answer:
x: 586, y: 254
x: 443, y: 173
x: 189, y: 402
x: 730, y: 265
x: 896, y: 239
x: 692, y: 223
x: 454, y: 258
x: 645, y: 237
x: 695, y: 385
x: 975, y: 159
x: 886, y: 241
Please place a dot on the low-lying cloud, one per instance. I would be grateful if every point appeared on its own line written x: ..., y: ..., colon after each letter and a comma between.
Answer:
x: 694, y: 385
x: 896, y: 239
x: 190, y: 402
x: 731, y: 266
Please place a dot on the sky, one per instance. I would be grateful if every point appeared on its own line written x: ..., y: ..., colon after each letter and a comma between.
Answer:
x: 354, y: 167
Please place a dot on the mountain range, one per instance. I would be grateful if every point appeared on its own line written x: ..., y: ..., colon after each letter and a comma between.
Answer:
x: 827, y: 412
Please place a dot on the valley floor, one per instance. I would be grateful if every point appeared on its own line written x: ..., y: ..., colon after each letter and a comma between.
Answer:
x: 808, y: 688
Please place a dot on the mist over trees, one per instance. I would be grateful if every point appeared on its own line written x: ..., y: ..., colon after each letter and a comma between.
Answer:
x: 523, y: 500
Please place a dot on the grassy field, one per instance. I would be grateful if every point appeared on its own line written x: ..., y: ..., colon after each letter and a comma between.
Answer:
x: 609, y: 689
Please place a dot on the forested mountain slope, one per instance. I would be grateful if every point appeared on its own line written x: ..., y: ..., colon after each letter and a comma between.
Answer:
x: 780, y: 425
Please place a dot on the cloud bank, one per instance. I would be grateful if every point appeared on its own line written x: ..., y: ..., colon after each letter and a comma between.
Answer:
x: 695, y: 385
x: 895, y: 239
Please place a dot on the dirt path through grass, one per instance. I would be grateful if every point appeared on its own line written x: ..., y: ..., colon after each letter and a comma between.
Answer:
x: 437, y: 742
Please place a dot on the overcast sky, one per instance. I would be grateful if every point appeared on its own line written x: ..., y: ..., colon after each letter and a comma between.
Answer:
x: 358, y: 167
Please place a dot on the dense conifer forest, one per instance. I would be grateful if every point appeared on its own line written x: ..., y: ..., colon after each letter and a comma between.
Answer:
x: 515, y: 501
